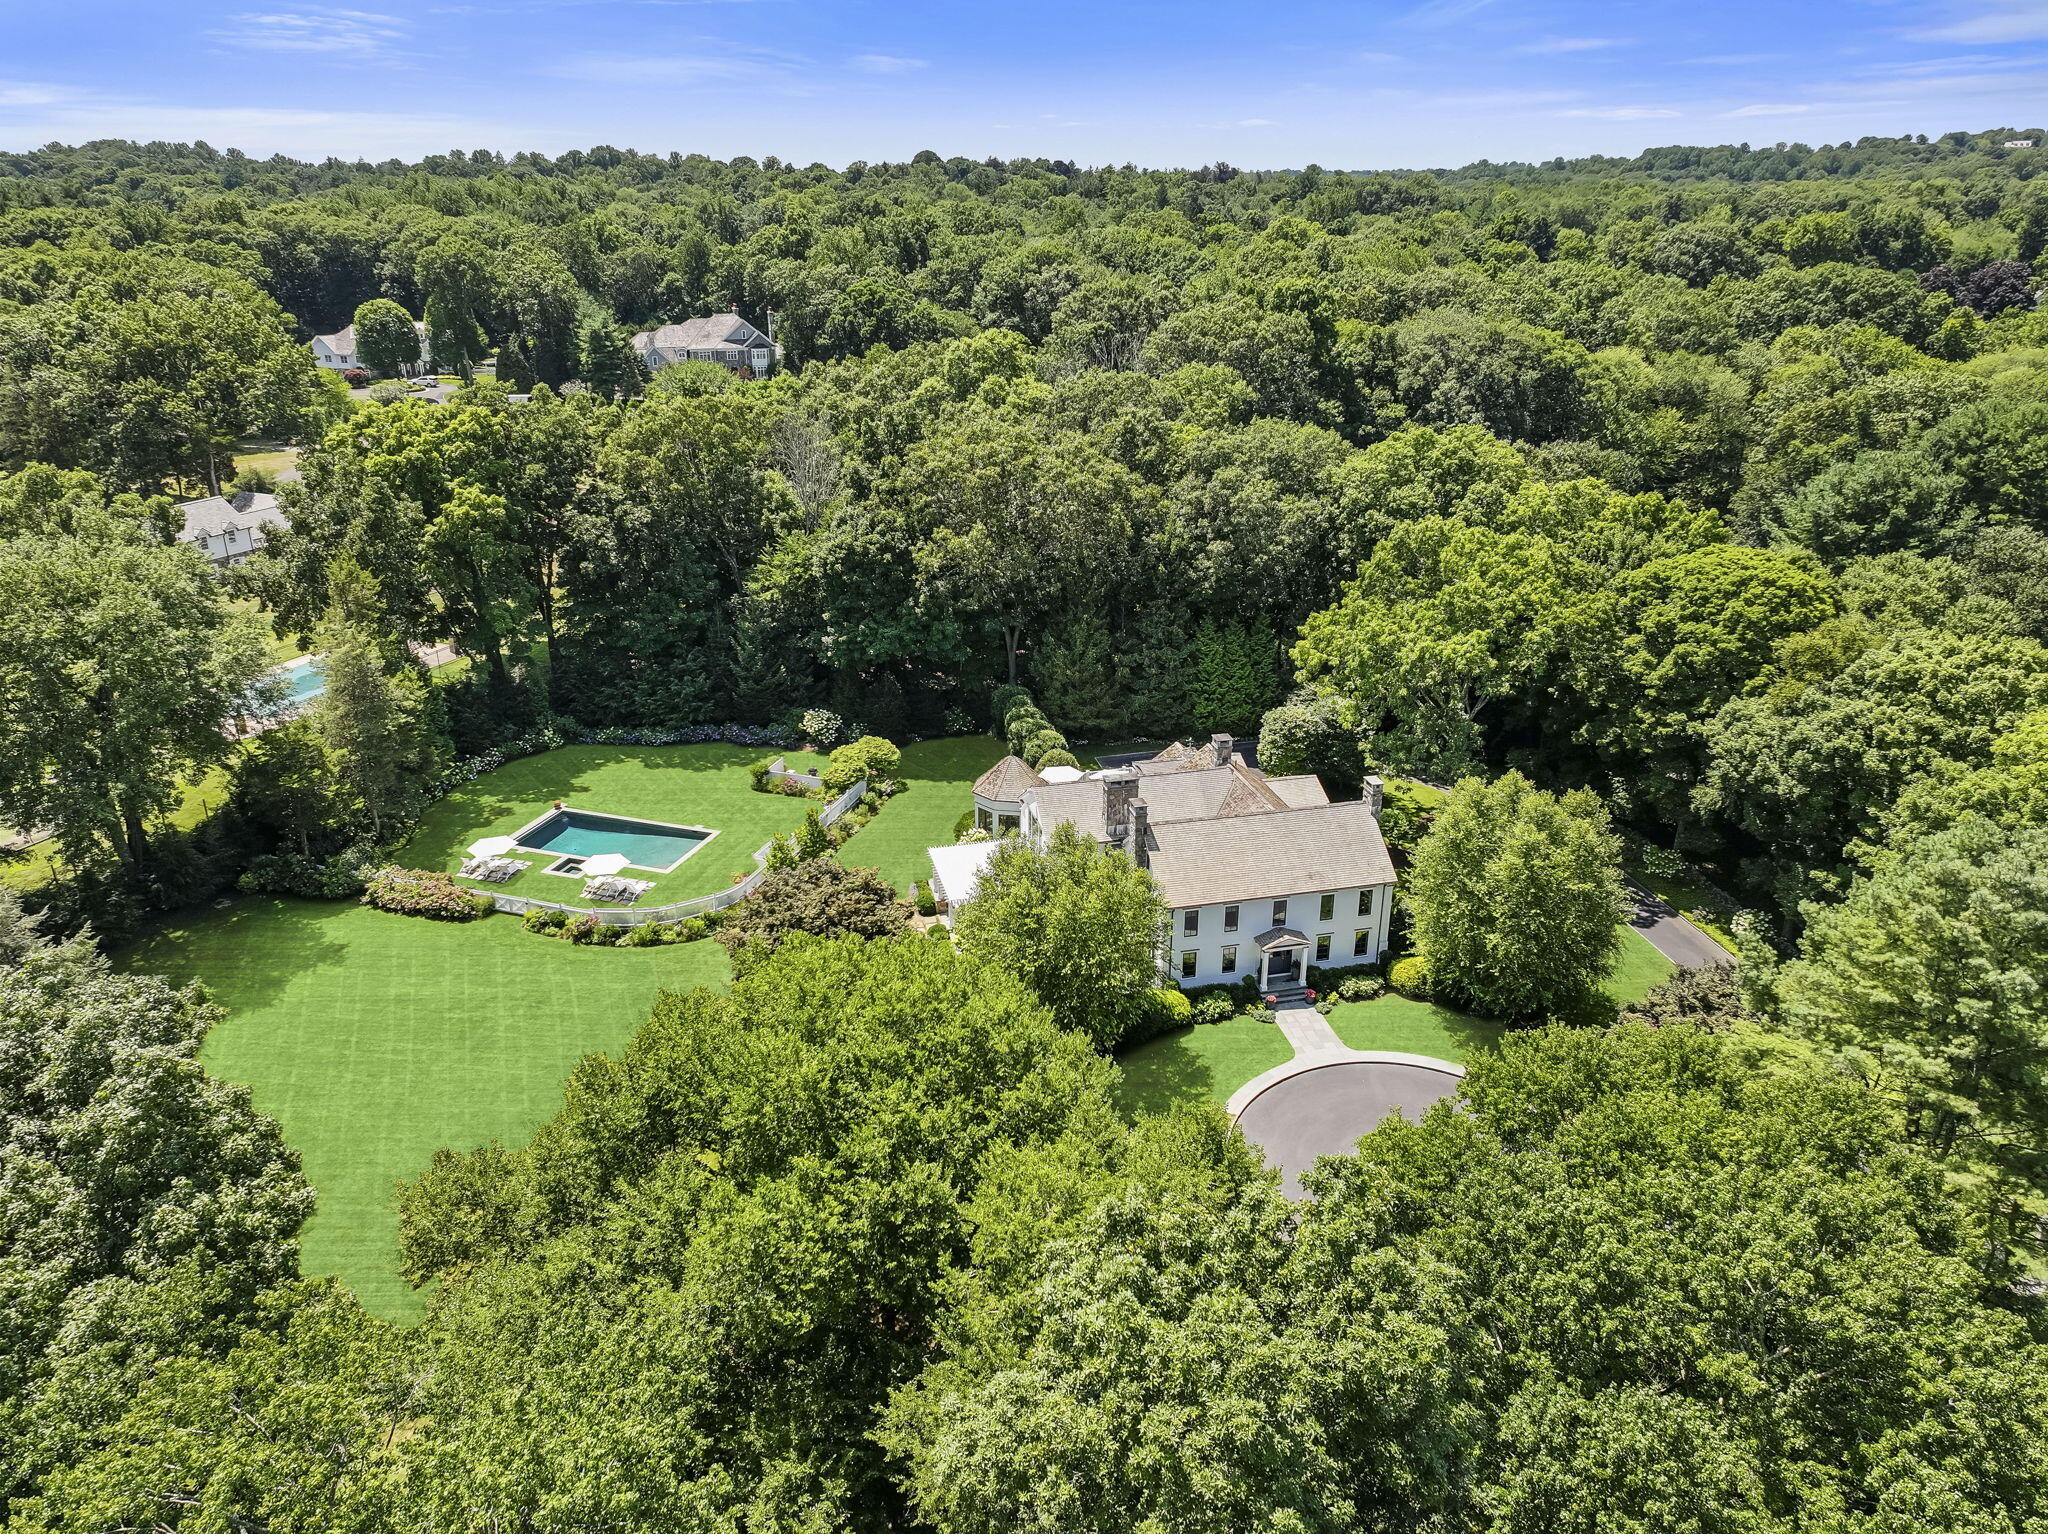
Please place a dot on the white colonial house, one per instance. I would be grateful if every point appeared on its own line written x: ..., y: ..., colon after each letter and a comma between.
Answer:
x: 725, y: 339
x: 227, y: 529
x: 339, y: 351
x: 1265, y: 876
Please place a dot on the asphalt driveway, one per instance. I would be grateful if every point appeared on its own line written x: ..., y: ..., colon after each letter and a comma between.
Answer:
x: 1323, y: 1111
x: 1671, y: 934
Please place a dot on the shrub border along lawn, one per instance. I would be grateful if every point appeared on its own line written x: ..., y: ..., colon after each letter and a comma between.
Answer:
x: 1204, y: 1061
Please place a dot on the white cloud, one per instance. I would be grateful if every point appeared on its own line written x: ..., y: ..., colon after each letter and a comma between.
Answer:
x: 1253, y: 122
x: 35, y: 113
x: 1999, y: 21
x: 1569, y: 44
x: 360, y: 35
x: 1444, y: 13
x: 708, y: 68
x: 1622, y: 114
x: 885, y: 64
x: 1773, y: 109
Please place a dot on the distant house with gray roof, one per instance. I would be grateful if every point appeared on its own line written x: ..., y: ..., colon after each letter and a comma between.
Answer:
x: 339, y: 351
x: 227, y: 529
x: 1265, y: 875
x: 725, y: 339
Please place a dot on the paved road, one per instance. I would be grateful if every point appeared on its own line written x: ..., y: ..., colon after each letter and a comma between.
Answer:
x: 1322, y: 1111
x: 1671, y: 934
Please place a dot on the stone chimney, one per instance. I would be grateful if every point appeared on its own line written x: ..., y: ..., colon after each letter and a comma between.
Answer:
x: 1375, y: 795
x: 1141, y: 830
x: 1118, y: 794
x: 1223, y: 748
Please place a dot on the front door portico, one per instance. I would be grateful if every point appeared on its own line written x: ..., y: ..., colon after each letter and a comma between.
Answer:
x: 1283, y: 954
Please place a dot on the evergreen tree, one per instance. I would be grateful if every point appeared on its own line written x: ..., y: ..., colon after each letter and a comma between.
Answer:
x: 611, y: 368
x: 372, y: 714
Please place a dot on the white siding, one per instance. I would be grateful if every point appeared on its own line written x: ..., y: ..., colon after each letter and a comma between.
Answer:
x: 1304, y: 915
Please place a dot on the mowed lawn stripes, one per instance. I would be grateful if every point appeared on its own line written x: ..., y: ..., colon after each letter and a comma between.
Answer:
x: 376, y: 1040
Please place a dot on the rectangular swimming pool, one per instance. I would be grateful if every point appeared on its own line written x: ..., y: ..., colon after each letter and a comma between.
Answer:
x: 648, y: 844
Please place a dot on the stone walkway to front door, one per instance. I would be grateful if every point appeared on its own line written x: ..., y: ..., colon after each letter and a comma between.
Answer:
x: 1309, y: 1032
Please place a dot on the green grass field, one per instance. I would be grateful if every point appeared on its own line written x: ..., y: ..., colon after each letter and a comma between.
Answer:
x: 1209, y: 1062
x: 683, y: 785
x: 1199, y: 1064
x: 938, y: 777
x: 375, y: 1040
x: 1412, y: 1027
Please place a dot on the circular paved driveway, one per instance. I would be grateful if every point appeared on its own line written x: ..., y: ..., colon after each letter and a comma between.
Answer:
x: 1323, y: 1111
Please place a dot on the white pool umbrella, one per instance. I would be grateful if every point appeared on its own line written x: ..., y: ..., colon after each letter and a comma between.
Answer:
x: 605, y: 863
x: 491, y: 846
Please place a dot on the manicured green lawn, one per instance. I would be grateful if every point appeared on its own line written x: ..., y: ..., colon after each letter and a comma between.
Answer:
x: 1210, y: 1061
x: 1412, y: 1027
x: 683, y: 785
x: 1201, y: 1063
x: 375, y: 1040
x: 1637, y: 970
x: 939, y: 778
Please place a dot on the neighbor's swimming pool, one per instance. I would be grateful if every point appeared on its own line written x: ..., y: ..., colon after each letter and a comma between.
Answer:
x: 647, y: 844
x: 304, y: 679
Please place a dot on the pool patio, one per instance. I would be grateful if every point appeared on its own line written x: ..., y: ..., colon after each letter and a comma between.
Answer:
x: 702, y: 790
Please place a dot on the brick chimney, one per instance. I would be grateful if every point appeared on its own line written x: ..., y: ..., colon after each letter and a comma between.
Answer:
x: 1223, y: 748
x: 1375, y: 795
x: 1141, y: 830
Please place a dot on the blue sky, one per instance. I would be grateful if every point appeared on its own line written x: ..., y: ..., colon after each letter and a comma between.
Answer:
x: 1278, y: 83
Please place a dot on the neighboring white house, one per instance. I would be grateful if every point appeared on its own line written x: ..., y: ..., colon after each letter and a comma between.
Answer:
x: 227, y: 529
x: 1265, y: 876
x: 725, y: 339
x: 339, y: 351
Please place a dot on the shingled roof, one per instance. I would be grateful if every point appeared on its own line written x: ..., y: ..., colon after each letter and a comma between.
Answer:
x: 1006, y: 781
x: 707, y: 332
x: 1269, y: 857
x: 216, y: 514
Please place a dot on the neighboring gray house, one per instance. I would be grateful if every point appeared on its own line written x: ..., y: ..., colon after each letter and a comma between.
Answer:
x: 1265, y: 876
x: 725, y: 339
x: 339, y: 351
x: 227, y: 529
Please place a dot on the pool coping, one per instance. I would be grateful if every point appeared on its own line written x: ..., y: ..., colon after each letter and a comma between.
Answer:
x: 706, y: 833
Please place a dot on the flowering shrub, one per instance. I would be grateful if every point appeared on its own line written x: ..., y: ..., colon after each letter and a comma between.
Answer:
x: 424, y: 892
x: 1662, y: 862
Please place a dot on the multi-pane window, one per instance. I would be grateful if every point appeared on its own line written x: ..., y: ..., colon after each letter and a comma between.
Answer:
x: 1230, y: 918
x: 1327, y: 909
x: 1187, y: 964
x: 1322, y: 947
x: 1279, y: 913
x: 1365, y: 902
x: 1361, y: 942
x: 1230, y: 958
x: 1190, y: 922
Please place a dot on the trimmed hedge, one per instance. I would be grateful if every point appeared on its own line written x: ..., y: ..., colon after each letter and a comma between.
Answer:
x: 1410, y: 977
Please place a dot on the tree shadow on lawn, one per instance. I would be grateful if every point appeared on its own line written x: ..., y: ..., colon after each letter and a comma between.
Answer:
x: 1163, y: 1072
x: 246, y: 955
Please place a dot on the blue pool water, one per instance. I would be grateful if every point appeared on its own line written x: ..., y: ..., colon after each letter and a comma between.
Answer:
x: 574, y: 833
x: 304, y: 680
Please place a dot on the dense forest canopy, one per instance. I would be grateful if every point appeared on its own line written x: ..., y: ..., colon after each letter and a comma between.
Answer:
x: 1702, y: 496
x: 1638, y: 474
